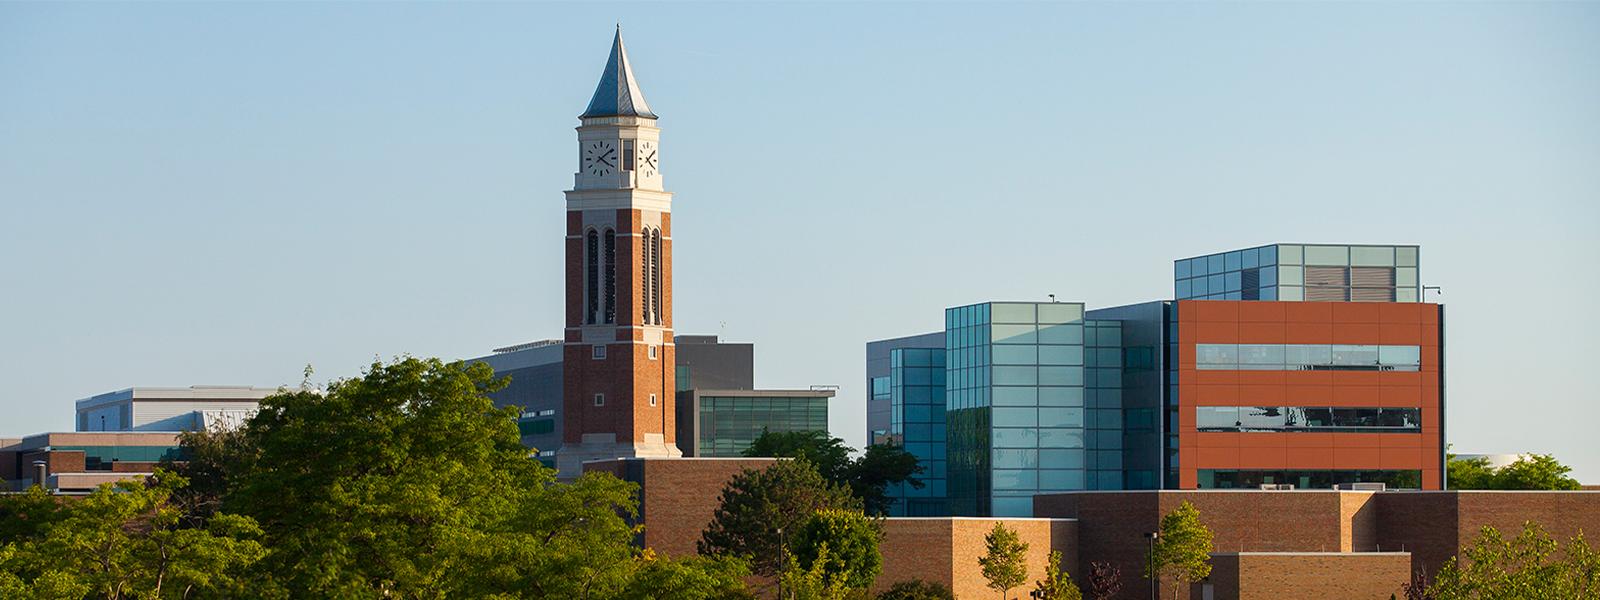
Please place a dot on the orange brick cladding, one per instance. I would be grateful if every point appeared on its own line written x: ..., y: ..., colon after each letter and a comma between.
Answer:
x: 1245, y: 322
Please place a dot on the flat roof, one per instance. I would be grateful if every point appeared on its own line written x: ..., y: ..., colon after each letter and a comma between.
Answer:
x: 97, y: 438
x: 242, y: 393
x: 764, y: 393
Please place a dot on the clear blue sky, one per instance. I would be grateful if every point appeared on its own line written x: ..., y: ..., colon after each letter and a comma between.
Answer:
x: 221, y: 193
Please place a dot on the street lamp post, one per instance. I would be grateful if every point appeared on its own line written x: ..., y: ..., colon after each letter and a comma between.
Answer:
x: 780, y: 563
x: 1149, y: 562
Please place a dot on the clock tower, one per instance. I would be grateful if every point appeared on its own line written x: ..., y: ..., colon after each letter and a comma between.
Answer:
x: 618, y: 364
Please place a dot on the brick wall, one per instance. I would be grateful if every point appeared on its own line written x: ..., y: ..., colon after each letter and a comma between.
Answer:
x: 8, y: 465
x: 1112, y: 525
x: 677, y: 496
x: 1309, y: 576
x: 131, y: 466
x: 1429, y: 525
x: 946, y: 550
x: 1433, y: 525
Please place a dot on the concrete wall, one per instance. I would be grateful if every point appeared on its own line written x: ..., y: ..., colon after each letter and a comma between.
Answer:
x: 1306, y: 575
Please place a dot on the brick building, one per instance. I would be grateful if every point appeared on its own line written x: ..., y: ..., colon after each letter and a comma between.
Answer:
x: 618, y: 366
x: 1314, y: 529
x: 1311, y: 366
x: 77, y: 462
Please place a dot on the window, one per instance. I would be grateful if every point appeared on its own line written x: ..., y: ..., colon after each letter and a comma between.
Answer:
x: 597, y: 352
x: 652, y: 352
x: 655, y: 275
x: 599, y: 399
x: 652, y: 399
x: 644, y: 277
x: 1297, y: 418
x: 627, y: 155
x: 611, y: 276
x: 1307, y: 357
x: 591, y: 259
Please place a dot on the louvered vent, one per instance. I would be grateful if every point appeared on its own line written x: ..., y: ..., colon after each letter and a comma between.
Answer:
x: 1372, y: 276
x: 1326, y: 276
x: 1325, y: 294
x: 1372, y: 294
x: 1250, y: 280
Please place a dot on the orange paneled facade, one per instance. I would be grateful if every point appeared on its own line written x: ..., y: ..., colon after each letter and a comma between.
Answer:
x: 1312, y: 323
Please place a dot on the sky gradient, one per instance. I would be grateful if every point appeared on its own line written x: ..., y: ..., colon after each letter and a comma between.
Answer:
x: 224, y: 193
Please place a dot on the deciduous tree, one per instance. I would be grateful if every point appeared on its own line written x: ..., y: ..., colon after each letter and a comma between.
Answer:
x: 852, y: 542
x: 408, y: 482
x: 868, y: 477
x: 128, y: 540
x: 1183, y: 551
x: 1057, y: 584
x: 1529, y: 472
x: 879, y: 467
x: 916, y: 589
x: 1535, y: 472
x: 1526, y: 567
x: 1005, y: 560
x: 1105, y: 580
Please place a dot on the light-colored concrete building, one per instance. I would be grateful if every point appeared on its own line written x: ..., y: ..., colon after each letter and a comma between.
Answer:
x: 170, y: 409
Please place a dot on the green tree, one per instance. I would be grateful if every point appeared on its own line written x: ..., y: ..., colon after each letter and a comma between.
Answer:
x: 408, y: 482
x: 1535, y: 472
x: 868, y: 476
x: 1468, y: 473
x: 1005, y: 560
x: 916, y: 589
x: 826, y: 453
x: 1523, y: 568
x: 815, y: 582
x: 758, y: 508
x: 1057, y: 584
x: 127, y: 540
x: 1529, y: 472
x: 28, y: 514
x: 381, y: 485
x: 852, y: 542
x: 693, y: 578
x: 879, y: 467
x: 1183, y: 552
x: 209, y: 457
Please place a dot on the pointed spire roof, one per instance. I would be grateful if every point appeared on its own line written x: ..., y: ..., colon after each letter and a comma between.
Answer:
x: 618, y: 94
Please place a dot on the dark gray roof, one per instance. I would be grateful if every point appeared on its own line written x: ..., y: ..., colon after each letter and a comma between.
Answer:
x: 618, y: 94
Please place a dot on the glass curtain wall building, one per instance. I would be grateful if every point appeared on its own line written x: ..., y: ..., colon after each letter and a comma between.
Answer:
x: 917, y: 423
x: 1032, y: 405
x: 1302, y: 272
x: 728, y: 421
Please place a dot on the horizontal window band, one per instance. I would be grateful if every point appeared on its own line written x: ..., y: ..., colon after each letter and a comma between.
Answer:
x: 1261, y: 367
x: 1332, y: 429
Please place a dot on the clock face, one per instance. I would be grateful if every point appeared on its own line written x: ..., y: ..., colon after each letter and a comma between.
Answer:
x: 648, y: 159
x: 599, y: 158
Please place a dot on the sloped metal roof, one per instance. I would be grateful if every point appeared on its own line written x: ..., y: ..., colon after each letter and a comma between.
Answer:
x: 618, y: 94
